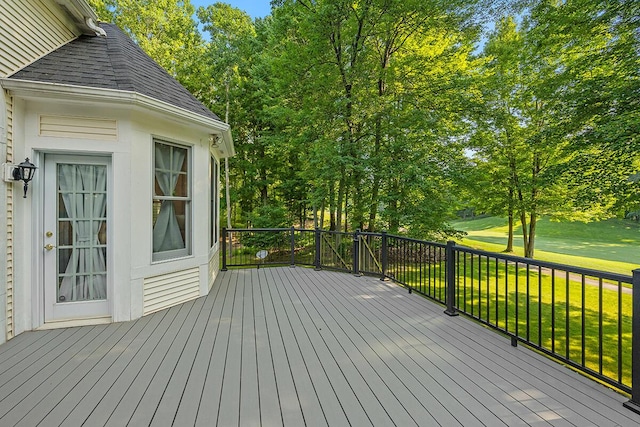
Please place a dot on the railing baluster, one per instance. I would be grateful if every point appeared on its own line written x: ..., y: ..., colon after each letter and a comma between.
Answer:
x: 553, y: 310
x: 528, y: 302
x: 479, y: 286
x: 600, y: 326
x: 506, y: 295
x: 583, y: 320
x: 539, y: 306
x: 634, y: 402
x: 517, y: 303
x: 567, y: 315
x: 619, y: 331
x: 317, y: 244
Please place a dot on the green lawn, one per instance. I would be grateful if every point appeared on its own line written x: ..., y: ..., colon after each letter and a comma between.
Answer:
x: 611, y: 245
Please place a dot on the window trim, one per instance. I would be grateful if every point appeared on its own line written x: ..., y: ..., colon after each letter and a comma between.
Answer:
x: 214, y: 202
x: 174, y: 254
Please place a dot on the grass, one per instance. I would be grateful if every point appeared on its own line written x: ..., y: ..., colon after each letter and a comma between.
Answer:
x: 612, y: 245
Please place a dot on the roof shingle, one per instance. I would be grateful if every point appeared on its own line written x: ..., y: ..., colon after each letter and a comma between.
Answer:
x: 112, y: 62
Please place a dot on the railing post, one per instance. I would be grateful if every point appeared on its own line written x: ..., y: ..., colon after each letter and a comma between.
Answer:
x: 356, y: 252
x: 450, y: 278
x: 385, y: 255
x: 293, y: 247
x: 224, y: 248
x: 634, y: 402
x: 316, y: 256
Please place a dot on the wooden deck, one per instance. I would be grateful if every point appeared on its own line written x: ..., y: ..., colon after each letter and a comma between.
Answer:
x: 295, y: 347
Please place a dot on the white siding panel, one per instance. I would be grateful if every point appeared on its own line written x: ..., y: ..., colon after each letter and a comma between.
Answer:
x: 165, y: 291
x: 214, y: 268
x: 29, y: 29
x: 79, y: 127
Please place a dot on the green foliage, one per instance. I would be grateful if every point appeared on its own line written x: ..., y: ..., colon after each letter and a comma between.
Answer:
x: 544, y: 142
x: 270, y: 216
x: 165, y: 30
x: 383, y: 114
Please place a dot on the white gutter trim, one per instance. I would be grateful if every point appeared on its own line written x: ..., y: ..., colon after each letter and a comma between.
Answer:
x: 83, y: 15
x: 57, y: 90
x: 84, y: 8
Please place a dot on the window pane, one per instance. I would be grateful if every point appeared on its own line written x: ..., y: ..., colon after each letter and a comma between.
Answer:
x: 171, y: 174
x: 182, y: 186
x: 169, y: 226
x: 161, y: 177
x: 65, y: 233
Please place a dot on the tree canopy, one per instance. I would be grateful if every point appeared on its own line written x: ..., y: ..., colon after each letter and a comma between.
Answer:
x: 389, y: 114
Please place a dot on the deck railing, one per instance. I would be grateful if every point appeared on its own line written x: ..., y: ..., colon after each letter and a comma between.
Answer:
x: 582, y: 317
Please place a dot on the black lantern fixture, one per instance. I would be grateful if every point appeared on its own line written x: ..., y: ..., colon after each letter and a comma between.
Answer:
x: 24, y: 172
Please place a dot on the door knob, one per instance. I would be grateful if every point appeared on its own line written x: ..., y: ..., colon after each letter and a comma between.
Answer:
x: 49, y: 246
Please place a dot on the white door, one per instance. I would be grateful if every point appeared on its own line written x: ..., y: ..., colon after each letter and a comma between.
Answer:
x: 75, y: 242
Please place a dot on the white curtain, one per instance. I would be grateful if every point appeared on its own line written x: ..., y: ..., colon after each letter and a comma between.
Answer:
x: 83, y: 189
x: 166, y: 230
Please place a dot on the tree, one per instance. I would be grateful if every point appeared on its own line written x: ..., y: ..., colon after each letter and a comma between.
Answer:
x: 380, y: 83
x: 548, y: 88
x: 164, y: 29
x: 229, y: 29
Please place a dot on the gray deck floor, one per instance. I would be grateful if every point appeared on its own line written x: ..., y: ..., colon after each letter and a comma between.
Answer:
x: 295, y: 347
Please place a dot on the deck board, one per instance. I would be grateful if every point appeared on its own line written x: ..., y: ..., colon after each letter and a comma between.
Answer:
x: 290, y: 405
x: 190, y: 402
x: 209, y: 407
x: 294, y: 347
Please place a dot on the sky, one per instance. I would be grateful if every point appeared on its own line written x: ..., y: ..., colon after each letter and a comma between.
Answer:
x: 255, y: 8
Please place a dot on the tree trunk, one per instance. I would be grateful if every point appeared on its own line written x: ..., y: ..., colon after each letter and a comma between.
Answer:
x: 525, y: 231
x: 341, y: 190
x: 532, y: 236
x: 226, y: 161
x: 375, y: 187
x: 535, y: 171
x: 509, y: 247
x: 332, y: 206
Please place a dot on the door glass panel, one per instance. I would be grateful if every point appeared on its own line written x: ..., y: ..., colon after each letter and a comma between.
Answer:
x: 82, y: 232
x: 65, y: 233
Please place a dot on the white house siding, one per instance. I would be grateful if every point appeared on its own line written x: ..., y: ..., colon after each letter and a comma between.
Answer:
x: 214, y: 267
x: 78, y: 127
x: 28, y: 254
x: 30, y: 29
x: 137, y: 282
x: 165, y: 291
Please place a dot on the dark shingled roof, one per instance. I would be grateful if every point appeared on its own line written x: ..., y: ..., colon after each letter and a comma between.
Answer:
x: 112, y: 62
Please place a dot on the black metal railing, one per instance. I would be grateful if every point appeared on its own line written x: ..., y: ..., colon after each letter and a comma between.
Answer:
x: 582, y: 317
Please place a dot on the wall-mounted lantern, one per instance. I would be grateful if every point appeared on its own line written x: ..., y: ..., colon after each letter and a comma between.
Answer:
x: 24, y: 172
x: 215, y: 141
